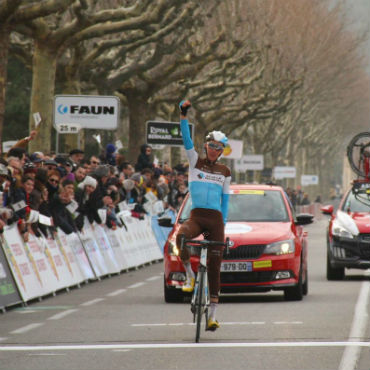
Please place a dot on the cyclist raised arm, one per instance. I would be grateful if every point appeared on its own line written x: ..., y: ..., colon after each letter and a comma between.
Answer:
x: 209, y: 183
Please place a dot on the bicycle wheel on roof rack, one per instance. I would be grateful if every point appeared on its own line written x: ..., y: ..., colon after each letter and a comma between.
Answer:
x: 358, y: 153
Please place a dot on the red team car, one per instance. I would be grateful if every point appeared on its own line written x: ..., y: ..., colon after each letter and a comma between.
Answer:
x: 269, y: 251
x: 348, y: 233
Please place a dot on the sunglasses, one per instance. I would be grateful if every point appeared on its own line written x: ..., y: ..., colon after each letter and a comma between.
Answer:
x: 54, y: 180
x: 215, y: 146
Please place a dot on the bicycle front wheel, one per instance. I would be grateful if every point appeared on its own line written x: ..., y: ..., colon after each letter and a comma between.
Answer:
x: 199, y: 305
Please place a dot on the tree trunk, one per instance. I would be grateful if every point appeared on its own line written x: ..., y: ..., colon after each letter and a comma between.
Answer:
x: 72, y: 87
x: 4, y: 46
x: 138, y: 115
x: 42, y: 97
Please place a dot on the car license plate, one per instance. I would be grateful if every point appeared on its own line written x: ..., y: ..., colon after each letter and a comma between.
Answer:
x: 236, y: 266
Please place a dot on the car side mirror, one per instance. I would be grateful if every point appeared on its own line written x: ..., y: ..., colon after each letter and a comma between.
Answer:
x: 327, y: 210
x: 304, y: 219
x: 165, y: 222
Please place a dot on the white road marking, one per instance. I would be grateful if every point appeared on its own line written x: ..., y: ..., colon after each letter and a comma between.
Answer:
x: 25, y: 329
x: 288, y: 322
x: 149, y: 324
x: 93, y: 301
x: 136, y: 285
x: 62, y: 314
x: 223, y: 323
x: 26, y: 311
x: 359, y: 324
x: 47, y: 354
x: 181, y: 345
x: 243, y: 323
x: 116, y: 292
x: 153, y: 278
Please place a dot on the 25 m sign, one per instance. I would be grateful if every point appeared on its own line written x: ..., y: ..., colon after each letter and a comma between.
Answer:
x: 165, y: 133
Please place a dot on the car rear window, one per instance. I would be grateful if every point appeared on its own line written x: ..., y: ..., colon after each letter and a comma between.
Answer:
x: 252, y: 206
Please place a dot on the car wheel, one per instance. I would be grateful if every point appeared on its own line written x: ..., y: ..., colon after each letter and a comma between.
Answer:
x: 295, y: 293
x: 305, y: 285
x: 172, y: 295
x: 333, y: 273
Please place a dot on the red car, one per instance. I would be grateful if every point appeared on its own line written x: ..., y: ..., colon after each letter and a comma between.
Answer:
x: 348, y: 233
x: 269, y: 251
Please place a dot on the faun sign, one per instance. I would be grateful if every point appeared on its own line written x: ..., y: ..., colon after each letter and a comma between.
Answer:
x: 86, y: 111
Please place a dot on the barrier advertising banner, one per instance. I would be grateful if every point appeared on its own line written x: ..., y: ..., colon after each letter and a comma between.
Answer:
x: 117, y: 244
x: 58, y: 263
x: 38, y: 257
x: 93, y: 251
x: 8, y: 289
x: 69, y: 257
x: 78, y: 250
x: 28, y: 282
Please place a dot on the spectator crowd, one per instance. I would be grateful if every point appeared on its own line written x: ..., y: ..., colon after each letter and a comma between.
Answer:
x: 40, y: 192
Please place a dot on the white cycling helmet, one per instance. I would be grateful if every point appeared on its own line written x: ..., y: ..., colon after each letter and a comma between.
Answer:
x: 217, y: 136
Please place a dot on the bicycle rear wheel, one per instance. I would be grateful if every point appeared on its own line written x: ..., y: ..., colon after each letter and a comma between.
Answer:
x: 358, y: 153
x: 199, y: 305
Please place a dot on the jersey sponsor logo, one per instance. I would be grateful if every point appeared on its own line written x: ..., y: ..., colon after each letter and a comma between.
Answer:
x: 211, y: 177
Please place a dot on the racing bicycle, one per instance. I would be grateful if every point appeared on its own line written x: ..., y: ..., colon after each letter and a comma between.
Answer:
x: 358, y: 153
x: 200, y: 299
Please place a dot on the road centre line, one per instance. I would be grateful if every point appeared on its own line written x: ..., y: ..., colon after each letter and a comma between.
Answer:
x: 116, y: 292
x: 62, y: 314
x: 93, y: 301
x: 180, y: 345
x: 358, y: 329
x: 135, y: 285
x: 25, y: 329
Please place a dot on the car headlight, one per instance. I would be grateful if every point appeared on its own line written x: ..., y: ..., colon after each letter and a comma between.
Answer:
x: 172, y: 248
x: 279, y: 248
x: 340, y: 231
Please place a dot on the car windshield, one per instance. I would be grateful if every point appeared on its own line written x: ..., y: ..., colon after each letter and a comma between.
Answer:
x: 252, y: 206
x: 359, y: 202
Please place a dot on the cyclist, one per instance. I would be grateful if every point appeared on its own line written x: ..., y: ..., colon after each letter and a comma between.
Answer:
x: 209, y: 190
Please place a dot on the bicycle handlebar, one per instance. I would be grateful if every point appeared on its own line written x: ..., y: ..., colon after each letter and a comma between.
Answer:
x: 205, y: 243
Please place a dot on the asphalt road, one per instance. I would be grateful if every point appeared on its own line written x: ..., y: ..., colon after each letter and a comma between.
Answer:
x: 122, y: 322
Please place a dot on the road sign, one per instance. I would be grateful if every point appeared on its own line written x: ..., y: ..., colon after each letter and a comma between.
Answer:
x: 309, y: 180
x: 167, y: 133
x: 88, y: 111
x: 249, y: 162
x: 282, y: 172
x: 68, y: 128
